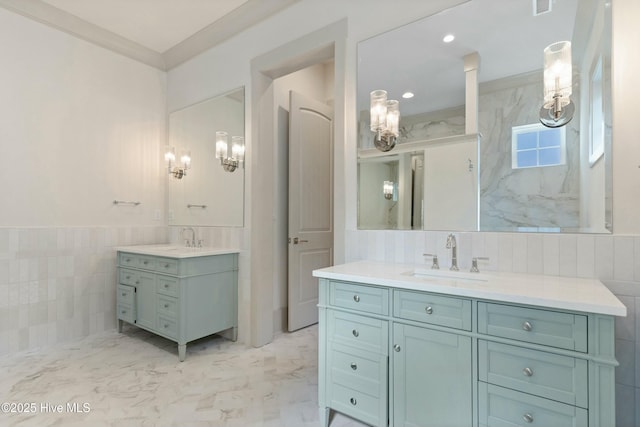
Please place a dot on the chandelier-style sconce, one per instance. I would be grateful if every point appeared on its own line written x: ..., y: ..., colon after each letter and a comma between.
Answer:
x: 388, y: 189
x: 229, y: 163
x: 558, y: 108
x: 385, y: 120
x: 178, y: 170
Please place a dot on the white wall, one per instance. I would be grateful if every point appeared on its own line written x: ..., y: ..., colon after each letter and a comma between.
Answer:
x: 80, y: 126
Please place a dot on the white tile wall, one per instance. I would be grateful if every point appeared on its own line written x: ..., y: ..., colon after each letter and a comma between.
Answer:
x: 59, y: 283
x: 613, y: 259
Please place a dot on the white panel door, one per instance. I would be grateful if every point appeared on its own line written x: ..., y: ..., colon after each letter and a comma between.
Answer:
x: 310, y: 205
x: 451, y: 186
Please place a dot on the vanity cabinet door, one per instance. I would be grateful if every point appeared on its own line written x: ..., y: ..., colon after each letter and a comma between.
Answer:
x: 432, y: 379
x: 146, y: 300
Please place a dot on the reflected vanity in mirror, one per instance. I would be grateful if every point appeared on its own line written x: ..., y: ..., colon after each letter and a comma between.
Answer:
x: 487, y: 163
x: 209, y: 194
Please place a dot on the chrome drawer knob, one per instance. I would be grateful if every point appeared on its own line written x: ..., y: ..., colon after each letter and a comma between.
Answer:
x: 528, y: 418
x: 527, y: 372
x: 124, y: 294
x: 356, y: 298
x: 354, y: 366
x: 353, y: 401
x: 166, y: 326
x: 396, y: 347
x: 128, y: 277
x: 124, y: 311
x: 166, y: 286
x: 137, y: 282
x: 355, y: 333
x: 166, y: 266
x: 429, y: 310
x: 146, y: 262
x: 167, y: 306
x: 527, y: 326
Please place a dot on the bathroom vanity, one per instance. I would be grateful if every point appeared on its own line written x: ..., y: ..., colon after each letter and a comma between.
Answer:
x: 403, y: 346
x: 178, y: 292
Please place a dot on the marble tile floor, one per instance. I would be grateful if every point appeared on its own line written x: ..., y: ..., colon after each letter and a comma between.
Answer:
x: 135, y: 379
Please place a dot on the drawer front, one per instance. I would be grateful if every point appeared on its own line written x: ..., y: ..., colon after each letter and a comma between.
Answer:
x: 358, y: 370
x: 125, y: 295
x: 548, y: 375
x: 362, y: 332
x: 128, y: 277
x: 126, y: 313
x: 434, y: 309
x: 369, y: 299
x: 167, y: 306
x: 545, y: 327
x: 146, y: 262
x: 361, y: 406
x: 167, y: 266
x: 129, y: 260
x: 167, y: 286
x: 499, y: 407
x: 167, y: 326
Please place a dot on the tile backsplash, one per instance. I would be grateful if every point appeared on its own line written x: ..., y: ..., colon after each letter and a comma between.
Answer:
x: 59, y: 283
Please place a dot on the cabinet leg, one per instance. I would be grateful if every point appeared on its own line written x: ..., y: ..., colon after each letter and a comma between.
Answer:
x: 234, y: 334
x: 324, y: 416
x: 120, y: 324
x: 182, y: 352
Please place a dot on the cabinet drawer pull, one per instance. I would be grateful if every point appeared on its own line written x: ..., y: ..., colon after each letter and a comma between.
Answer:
x: 128, y: 260
x: 429, y: 310
x: 356, y: 298
x: 166, y: 306
x: 527, y: 372
x: 145, y: 262
x: 137, y: 282
x: 166, y: 286
x: 166, y: 266
x: 354, y: 366
x: 128, y: 277
x: 528, y: 418
x: 396, y: 347
x: 355, y: 333
x: 124, y: 294
x: 123, y: 311
x: 527, y: 326
x: 166, y: 325
x: 353, y: 401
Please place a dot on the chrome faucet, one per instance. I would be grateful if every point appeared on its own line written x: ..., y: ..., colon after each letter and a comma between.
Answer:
x: 451, y: 244
x: 192, y: 243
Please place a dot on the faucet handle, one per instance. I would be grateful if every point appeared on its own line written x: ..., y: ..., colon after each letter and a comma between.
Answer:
x: 474, y: 263
x: 200, y: 242
x: 435, y: 265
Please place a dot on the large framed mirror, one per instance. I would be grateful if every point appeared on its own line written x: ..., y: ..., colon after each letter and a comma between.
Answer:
x: 488, y: 163
x: 208, y: 195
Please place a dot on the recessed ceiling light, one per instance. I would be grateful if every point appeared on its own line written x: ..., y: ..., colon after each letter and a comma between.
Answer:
x: 407, y: 95
x: 448, y: 38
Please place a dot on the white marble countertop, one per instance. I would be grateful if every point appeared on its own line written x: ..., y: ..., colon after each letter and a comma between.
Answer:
x: 566, y: 293
x: 175, y: 251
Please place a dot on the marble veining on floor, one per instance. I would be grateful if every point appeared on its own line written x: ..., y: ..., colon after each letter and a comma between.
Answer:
x: 135, y: 379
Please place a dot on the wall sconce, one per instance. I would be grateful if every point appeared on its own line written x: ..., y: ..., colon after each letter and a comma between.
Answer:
x: 558, y: 108
x: 229, y: 163
x: 177, y: 170
x: 385, y: 120
x: 388, y: 189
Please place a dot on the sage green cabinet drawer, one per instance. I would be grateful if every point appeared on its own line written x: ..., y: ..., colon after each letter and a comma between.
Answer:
x: 166, y: 266
x: 126, y: 313
x: 501, y: 407
x: 128, y: 277
x: 146, y: 262
x: 168, y: 306
x: 369, y: 409
x: 358, y: 370
x: 369, y: 299
x: 126, y: 295
x: 362, y: 332
x: 433, y: 309
x: 168, y: 326
x: 129, y: 260
x: 545, y: 327
x: 548, y: 375
x: 167, y: 286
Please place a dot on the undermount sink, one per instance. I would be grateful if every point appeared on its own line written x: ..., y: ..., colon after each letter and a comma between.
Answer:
x: 448, y: 275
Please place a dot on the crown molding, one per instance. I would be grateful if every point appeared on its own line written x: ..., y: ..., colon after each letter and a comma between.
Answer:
x: 245, y: 16
x: 71, y: 24
x: 238, y: 20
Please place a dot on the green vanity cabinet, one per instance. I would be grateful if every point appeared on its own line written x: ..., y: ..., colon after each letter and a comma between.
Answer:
x: 181, y: 299
x: 391, y: 356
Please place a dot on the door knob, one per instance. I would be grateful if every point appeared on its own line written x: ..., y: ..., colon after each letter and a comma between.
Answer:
x: 296, y: 241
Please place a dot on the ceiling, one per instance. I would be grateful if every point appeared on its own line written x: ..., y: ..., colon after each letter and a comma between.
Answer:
x: 506, y: 34
x: 161, y: 33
